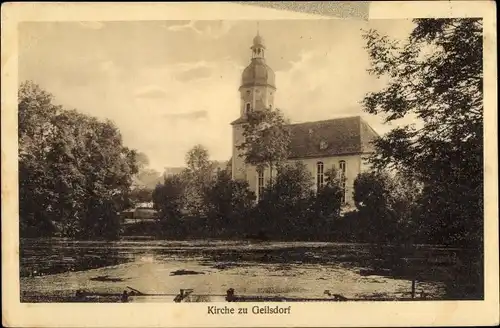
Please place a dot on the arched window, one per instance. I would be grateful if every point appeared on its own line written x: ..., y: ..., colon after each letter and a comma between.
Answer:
x: 342, y: 168
x: 260, y: 184
x: 320, y: 176
x: 247, y: 107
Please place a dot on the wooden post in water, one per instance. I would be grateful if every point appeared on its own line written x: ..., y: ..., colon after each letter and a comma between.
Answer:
x: 413, y: 287
x: 230, y: 295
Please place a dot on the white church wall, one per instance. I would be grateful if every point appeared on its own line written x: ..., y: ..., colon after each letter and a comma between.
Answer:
x: 353, y: 168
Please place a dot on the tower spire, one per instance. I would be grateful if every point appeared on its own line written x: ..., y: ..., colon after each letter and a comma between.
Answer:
x: 258, y: 45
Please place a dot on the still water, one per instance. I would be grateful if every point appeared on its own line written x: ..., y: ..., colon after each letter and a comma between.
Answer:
x: 302, y: 269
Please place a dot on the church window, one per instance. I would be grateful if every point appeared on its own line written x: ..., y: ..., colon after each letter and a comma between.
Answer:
x: 247, y: 107
x: 260, y: 184
x: 342, y: 168
x: 320, y: 177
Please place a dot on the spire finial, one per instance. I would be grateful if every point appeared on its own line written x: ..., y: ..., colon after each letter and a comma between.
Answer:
x: 257, y: 28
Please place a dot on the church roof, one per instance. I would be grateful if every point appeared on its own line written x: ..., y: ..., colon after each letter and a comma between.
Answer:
x: 258, y: 41
x: 258, y: 73
x: 341, y: 136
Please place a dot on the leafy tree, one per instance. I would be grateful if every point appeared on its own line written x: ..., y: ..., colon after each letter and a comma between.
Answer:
x: 387, y: 205
x: 437, y: 77
x: 74, y: 172
x: 199, y: 175
x: 36, y: 112
x: 285, y: 203
x: 141, y: 195
x: 169, y: 199
x: 266, y: 139
x: 328, y: 199
x: 228, y: 201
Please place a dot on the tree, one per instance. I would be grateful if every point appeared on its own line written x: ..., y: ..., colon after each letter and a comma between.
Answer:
x: 285, y: 204
x: 199, y: 175
x: 372, y: 197
x: 36, y: 112
x: 141, y: 195
x: 266, y: 140
x: 328, y: 199
x: 228, y: 201
x: 437, y: 77
x: 169, y: 199
x: 74, y: 172
x: 388, y: 202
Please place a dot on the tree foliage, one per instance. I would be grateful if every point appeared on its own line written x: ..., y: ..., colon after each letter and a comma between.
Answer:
x: 229, y: 201
x: 328, y: 200
x: 74, y: 172
x: 266, y: 139
x: 387, y: 206
x: 285, y: 203
x: 437, y: 77
x: 169, y: 199
x: 198, y: 176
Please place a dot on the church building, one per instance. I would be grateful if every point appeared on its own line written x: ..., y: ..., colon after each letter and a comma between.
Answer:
x: 341, y: 143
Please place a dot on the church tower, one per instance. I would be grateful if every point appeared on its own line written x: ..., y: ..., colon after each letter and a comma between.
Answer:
x: 257, y: 91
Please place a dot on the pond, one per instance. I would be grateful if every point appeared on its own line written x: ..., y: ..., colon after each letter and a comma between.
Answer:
x: 55, y: 267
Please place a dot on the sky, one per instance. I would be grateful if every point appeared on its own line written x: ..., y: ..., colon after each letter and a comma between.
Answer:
x: 169, y: 85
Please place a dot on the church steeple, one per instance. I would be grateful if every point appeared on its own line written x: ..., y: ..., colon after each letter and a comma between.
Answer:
x: 257, y: 91
x: 257, y: 81
x: 258, y: 46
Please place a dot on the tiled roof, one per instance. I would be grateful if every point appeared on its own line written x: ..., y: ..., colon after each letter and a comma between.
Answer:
x: 340, y: 136
x: 347, y: 135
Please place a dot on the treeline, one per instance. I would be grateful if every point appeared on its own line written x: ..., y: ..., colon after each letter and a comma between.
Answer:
x: 204, y: 203
x: 74, y: 172
x: 201, y: 202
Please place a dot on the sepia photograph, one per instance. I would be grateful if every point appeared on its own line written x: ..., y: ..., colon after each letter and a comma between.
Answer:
x: 252, y: 160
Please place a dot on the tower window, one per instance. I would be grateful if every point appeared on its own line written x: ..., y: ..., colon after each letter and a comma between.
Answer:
x: 342, y: 168
x: 320, y: 177
x: 260, y: 184
x: 247, y: 107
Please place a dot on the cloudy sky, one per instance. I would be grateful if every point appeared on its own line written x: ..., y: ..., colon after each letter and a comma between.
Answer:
x: 169, y: 85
